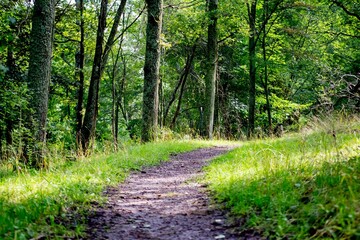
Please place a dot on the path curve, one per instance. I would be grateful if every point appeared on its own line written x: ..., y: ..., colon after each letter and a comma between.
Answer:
x: 163, y: 202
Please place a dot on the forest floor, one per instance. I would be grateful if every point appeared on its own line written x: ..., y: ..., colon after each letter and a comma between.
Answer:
x: 164, y: 202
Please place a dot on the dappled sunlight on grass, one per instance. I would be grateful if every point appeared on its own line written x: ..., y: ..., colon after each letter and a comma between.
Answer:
x: 305, y: 185
x: 32, y: 202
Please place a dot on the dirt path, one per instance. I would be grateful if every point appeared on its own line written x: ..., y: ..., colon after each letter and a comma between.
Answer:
x: 163, y: 202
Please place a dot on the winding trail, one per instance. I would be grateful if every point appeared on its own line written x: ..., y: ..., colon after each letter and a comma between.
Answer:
x: 163, y: 202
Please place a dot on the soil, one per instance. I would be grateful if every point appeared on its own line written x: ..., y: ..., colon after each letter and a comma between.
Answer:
x: 164, y: 202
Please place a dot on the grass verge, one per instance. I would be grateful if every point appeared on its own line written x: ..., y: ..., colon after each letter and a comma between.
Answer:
x: 51, y: 204
x: 300, y: 186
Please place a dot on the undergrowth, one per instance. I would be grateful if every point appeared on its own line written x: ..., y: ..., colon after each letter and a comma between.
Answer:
x: 304, y: 185
x: 52, y: 204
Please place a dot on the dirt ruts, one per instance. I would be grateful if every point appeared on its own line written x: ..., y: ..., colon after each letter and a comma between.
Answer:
x: 163, y: 202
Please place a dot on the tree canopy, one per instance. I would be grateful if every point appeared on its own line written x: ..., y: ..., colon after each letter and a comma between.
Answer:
x: 271, y: 64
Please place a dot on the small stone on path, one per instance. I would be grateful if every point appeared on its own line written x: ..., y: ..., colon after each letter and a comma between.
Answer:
x: 163, y: 203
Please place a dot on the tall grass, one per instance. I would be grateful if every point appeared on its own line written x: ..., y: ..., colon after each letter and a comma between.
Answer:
x: 304, y: 185
x: 50, y: 204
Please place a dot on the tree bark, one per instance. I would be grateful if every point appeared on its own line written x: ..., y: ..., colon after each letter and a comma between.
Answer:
x: 100, y: 60
x: 183, y: 79
x: 266, y: 75
x: 252, y: 62
x: 89, y: 124
x: 115, y: 99
x: 210, y: 78
x: 184, y: 72
x: 113, y: 32
x: 151, y: 71
x: 79, y: 71
x: 39, y: 74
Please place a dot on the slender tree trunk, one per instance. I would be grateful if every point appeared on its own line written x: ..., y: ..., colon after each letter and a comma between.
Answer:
x: 151, y: 71
x: 100, y: 60
x: 79, y: 71
x: 184, y: 77
x: 122, y: 100
x: 173, y: 97
x: 39, y: 74
x: 112, y: 35
x: 210, y: 78
x: 252, y: 62
x: 266, y: 75
x: 10, y: 76
x: 184, y: 72
x: 114, y: 112
x: 115, y: 101
x: 161, y: 104
x: 89, y: 124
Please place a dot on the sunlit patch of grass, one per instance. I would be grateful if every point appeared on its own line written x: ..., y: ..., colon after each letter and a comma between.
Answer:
x: 51, y: 203
x: 300, y: 186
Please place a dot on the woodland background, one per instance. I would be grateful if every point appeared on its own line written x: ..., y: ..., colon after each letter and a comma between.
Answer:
x: 276, y: 64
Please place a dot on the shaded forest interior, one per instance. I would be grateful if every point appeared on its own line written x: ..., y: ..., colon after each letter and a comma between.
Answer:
x: 78, y: 75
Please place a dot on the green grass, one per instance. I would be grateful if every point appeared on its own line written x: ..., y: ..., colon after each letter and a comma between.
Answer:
x: 301, y: 186
x: 53, y: 203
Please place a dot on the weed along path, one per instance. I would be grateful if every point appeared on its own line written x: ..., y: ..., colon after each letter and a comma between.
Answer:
x: 163, y: 202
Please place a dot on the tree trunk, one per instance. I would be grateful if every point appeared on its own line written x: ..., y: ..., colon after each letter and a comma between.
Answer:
x: 266, y: 76
x: 115, y: 97
x: 173, y: 97
x: 183, y: 79
x: 113, y: 32
x: 39, y: 74
x: 211, y: 66
x: 79, y: 71
x: 151, y: 71
x: 184, y: 72
x: 252, y: 62
x: 89, y: 124
x: 10, y: 76
x: 100, y: 60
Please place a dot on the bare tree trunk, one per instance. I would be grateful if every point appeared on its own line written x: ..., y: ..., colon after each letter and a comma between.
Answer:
x: 115, y: 99
x: 252, y: 62
x: 112, y: 35
x: 11, y: 75
x: 183, y: 79
x: 151, y: 71
x: 79, y: 65
x: 114, y: 112
x: 184, y: 72
x: 210, y: 78
x: 173, y: 97
x: 100, y: 59
x: 89, y: 124
x: 266, y: 75
x: 122, y: 101
x: 39, y: 74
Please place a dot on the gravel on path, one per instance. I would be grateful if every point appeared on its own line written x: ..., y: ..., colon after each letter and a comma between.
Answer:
x: 163, y: 202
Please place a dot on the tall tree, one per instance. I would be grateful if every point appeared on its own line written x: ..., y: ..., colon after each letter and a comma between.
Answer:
x: 79, y: 68
x: 251, y: 7
x: 40, y: 71
x: 151, y: 71
x: 266, y: 75
x: 89, y: 124
x: 100, y: 60
x: 211, y: 66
